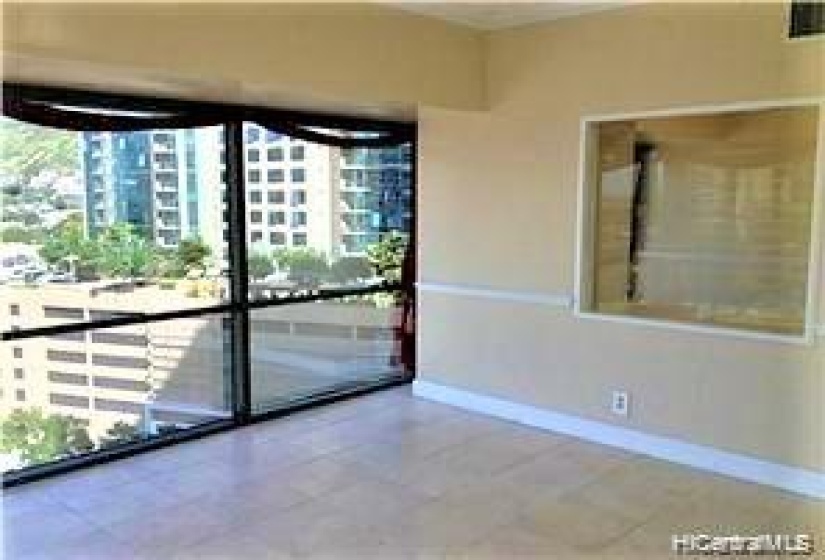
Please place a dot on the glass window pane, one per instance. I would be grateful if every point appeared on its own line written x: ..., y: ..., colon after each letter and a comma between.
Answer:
x: 350, y: 224
x: 126, y: 221
x: 113, y: 386
x: 275, y: 154
x: 302, y: 349
x: 705, y: 219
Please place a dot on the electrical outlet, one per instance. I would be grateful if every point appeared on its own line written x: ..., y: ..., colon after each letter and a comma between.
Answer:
x: 621, y: 403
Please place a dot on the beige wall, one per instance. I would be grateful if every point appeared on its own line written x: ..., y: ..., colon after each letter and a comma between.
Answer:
x: 346, y: 55
x: 497, y: 209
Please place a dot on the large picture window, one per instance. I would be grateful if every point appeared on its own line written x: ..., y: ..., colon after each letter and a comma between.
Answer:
x: 145, y: 299
x: 702, y: 219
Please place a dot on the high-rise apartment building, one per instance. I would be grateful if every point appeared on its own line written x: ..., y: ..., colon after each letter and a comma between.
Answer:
x: 170, y: 184
x: 117, y: 173
x: 290, y: 192
x: 150, y: 179
x: 375, y: 196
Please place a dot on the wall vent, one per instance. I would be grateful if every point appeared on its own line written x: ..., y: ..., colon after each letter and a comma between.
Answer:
x: 807, y: 19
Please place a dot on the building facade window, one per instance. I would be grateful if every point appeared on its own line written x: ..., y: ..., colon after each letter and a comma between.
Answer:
x: 18, y: 373
x: 73, y: 336
x: 253, y: 155
x: 20, y: 395
x: 298, y: 197
x: 135, y: 385
x: 253, y: 134
x: 297, y: 174
x: 296, y: 153
x: 275, y: 154
x: 113, y: 361
x: 120, y: 339
x: 299, y: 219
x: 299, y: 239
x: 68, y: 378
x: 277, y: 238
x: 274, y: 175
x: 254, y: 175
x: 54, y: 312
x: 66, y: 356
x: 256, y: 217
x: 275, y: 197
x: 277, y: 218
x: 114, y: 405
x: 73, y: 401
x: 255, y: 197
x: 18, y: 352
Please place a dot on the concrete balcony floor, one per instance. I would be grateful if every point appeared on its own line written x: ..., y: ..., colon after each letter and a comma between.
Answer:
x: 387, y: 476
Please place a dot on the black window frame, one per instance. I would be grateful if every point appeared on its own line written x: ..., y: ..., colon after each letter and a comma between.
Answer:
x: 40, y: 104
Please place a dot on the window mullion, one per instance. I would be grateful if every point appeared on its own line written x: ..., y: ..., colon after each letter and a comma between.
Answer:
x: 239, y: 279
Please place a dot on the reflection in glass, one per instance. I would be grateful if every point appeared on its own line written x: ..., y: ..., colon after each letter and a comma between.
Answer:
x: 298, y: 350
x: 705, y: 219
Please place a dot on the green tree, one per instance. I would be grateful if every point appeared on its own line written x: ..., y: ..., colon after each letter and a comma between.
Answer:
x: 38, y: 438
x: 192, y: 254
x: 120, y: 432
x: 306, y: 266
x: 29, y: 150
x: 347, y: 269
x: 167, y: 263
x: 123, y: 253
x: 260, y: 264
x: 387, y: 255
x: 16, y: 234
x: 67, y: 243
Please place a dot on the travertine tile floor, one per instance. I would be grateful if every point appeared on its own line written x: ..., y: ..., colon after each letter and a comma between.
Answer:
x: 387, y: 476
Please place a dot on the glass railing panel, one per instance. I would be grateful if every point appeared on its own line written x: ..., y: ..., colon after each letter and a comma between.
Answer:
x: 310, y: 348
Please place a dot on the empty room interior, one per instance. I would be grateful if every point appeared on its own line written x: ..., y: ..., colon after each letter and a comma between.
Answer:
x: 384, y: 279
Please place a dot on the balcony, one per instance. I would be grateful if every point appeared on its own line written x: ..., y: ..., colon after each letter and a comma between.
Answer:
x: 166, y: 186
x: 168, y: 224
x: 167, y: 202
x: 163, y: 146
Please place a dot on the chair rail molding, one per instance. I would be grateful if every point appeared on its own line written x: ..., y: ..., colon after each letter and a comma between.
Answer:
x: 564, y: 301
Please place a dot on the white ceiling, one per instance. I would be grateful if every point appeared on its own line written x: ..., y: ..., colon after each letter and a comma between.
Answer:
x: 499, y: 14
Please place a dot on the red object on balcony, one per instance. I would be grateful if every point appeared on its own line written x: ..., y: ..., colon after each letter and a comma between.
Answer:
x: 404, y: 329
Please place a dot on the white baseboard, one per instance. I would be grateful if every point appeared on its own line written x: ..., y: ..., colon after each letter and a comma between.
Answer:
x: 793, y: 479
